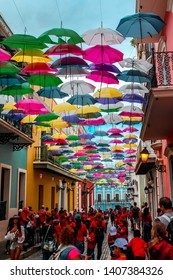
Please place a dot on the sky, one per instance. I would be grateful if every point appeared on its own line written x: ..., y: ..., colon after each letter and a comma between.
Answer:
x: 38, y: 16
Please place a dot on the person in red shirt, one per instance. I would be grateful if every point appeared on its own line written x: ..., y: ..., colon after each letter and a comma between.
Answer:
x: 81, y: 233
x: 123, y: 229
x: 42, y: 215
x: 120, y: 248
x: 138, y: 246
x: 146, y: 224
x: 91, y: 243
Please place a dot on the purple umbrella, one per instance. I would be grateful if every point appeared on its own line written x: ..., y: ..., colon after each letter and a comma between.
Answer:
x: 69, y: 60
x: 104, y: 67
x: 71, y: 118
x: 130, y: 140
x: 86, y: 136
x: 107, y: 100
x: 133, y: 98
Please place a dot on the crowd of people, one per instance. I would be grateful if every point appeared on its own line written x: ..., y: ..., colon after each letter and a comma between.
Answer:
x: 80, y: 235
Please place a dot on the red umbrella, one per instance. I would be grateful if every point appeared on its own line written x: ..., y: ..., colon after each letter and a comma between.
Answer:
x: 63, y: 49
x: 37, y: 67
x: 28, y: 104
x: 103, y: 77
x: 103, y: 54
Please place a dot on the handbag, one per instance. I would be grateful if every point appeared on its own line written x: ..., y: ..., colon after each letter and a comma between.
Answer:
x: 48, y: 245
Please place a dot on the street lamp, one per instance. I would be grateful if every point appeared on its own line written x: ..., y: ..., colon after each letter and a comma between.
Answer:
x: 144, y: 155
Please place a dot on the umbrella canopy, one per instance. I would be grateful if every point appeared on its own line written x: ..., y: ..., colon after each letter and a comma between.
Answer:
x: 108, y: 92
x: 73, y: 70
x: 103, y: 77
x: 11, y: 79
x: 64, y: 107
x: 140, y: 25
x: 134, y: 76
x: 100, y: 133
x: 103, y: 54
x: 86, y: 136
x: 138, y: 64
x: 51, y: 92
x: 46, y: 117
x: 69, y: 60
x: 82, y: 100
x: 7, y: 67
x: 29, y: 103
x: 44, y: 80
x: 133, y: 98
x: 131, y: 111
x: 102, y: 36
x: 87, y: 109
x: 4, y: 55
x: 37, y: 67
x: 109, y: 107
x: 104, y: 67
x: 31, y: 56
x: 111, y: 118
x: 134, y: 88
x: 17, y: 90
x: 77, y: 87
x: 62, y: 34
x: 23, y: 41
x: 63, y: 49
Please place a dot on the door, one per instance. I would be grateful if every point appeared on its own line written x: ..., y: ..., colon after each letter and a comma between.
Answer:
x: 52, y: 197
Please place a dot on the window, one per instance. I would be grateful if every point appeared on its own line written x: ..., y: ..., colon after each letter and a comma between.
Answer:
x: 117, y: 197
x: 108, y: 197
x: 99, y: 197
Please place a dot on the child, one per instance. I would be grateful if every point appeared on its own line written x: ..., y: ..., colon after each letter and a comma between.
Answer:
x: 91, y: 243
x: 111, y: 239
x: 120, y: 248
x: 138, y: 246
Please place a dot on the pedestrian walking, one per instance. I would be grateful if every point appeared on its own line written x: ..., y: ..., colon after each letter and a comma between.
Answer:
x: 138, y: 246
x: 91, y: 243
x: 146, y: 224
x: 120, y: 249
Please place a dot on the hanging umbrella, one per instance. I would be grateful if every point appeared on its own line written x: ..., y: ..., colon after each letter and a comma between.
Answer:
x: 130, y: 129
x: 71, y: 119
x: 87, y: 109
x: 23, y: 41
x: 133, y: 88
x: 131, y: 111
x: 103, y: 77
x: 77, y: 87
x: 131, y: 120
x: 102, y: 36
x: 62, y: 34
x: 86, y: 136
x: 71, y: 70
x: 59, y: 135
x: 98, y: 121
x: 72, y: 137
x: 116, y: 141
x: 63, y: 49
x: 133, y: 98
x: 51, y: 92
x: 59, y: 123
x: 107, y: 92
x: 140, y: 25
x: 4, y: 55
x: 69, y: 60
x: 103, y: 54
x: 37, y: 67
x: 29, y: 103
x: 130, y: 140
x: 82, y: 100
x: 64, y: 107
x: 109, y: 107
x: 104, y: 67
x: 44, y: 80
x: 133, y: 76
x: 31, y: 56
x: 46, y: 117
x: 11, y: 79
x: 111, y: 118
x: 100, y: 133
x: 114, y: 130
x: 17, y: 90
x: 7, y: 67
x: 138, y: 64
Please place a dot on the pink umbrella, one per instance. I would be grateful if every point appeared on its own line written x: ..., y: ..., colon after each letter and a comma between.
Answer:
x: 116, y: 141
x: 130, y: 129
x: 28, y: 104
x: 93, y: 122
x: 63, y: 49
x: 93, y: 155
x: 131, y: 114
x: 114, y: 130
x: 4, y: 55
x: 130, y: 151
x: 37, y: 67
x: 103, y: 54
x: 37, y: 112
x: 130, y: 160
x: 80, y: 153
x: 103, y: 77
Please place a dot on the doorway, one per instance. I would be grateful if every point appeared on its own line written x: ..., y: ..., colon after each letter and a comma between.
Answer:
x: 40, y: 196
x: 52, y: 197
x: 21, y: 189
x: 5, y: 191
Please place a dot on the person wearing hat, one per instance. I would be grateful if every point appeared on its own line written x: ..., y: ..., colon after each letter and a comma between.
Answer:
x: 16, y: 235
x: 112, y: 236
x: 120, y: 248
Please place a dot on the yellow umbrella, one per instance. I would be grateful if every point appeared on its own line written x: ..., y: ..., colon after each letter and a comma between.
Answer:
x: 43, y: 128
x: 108, y: 92
x: 64, y: 107
x: 119, y: 163
x: 59, y: 123
x: 61, y: 135
x: 30, y: 56
x: 54, y: 147
x: 129, y: 145
x: 88, y: 109
x: 117, y: 147
x: 132, y: 119
x: 130, y: 136
x: 29, y: 119
x: 9, y: 106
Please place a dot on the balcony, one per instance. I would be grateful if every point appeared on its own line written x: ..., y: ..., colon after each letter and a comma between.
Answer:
x: 158, y: 112
x: 43, y: 160
x: 142, y: 168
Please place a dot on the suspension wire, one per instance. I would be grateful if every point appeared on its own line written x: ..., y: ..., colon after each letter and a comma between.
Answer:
x: 101, y: 17
x: 59, y: 14
x: 25, y: 29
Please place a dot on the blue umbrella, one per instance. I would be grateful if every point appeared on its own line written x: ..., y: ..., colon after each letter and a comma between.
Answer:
x: 71, y: 118
x: 51, y: 92
x: 82, y: 99
x: 11, y: 79
x: 133, y: 98
x: 140, y: 25
x: 104, y: 67
x: 133, y: 76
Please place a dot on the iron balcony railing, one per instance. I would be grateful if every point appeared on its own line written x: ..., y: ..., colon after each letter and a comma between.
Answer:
x: 3, y: 205
x: 42, y: 154
x: 111, y: 201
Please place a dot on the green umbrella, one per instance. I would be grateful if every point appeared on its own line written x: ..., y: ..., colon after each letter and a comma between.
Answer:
x: 46, y: 117
x: 74, y: 38
x: 72, y: 137
x: 7, y: 67
x: 90, y: 151
x: 44, y: 80
x: 77, y: 165
x: 75, y: 144
x: 23, y: 41
x: 16, y: 90
x: 83, y: 158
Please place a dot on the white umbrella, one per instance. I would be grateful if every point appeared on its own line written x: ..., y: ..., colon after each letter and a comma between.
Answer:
x: 112, y: 118
x: 133, y: 88
x: 72, y: 71
x: 138, y: 64
x: 77, y: 87
x: 102, y: 36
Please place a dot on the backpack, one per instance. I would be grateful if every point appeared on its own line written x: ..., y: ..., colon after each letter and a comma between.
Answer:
x: 99, y: 233
x: 135, y: 212
x: 170, y: 230
x: 61, y: 253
